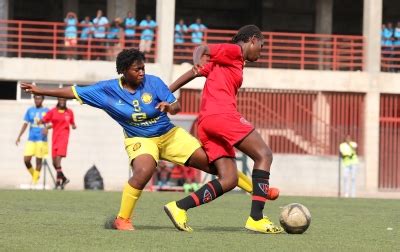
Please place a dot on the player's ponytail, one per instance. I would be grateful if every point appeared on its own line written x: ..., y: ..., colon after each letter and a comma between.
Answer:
x: 246, y: 33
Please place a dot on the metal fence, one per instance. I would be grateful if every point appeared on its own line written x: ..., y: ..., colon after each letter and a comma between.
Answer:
x: 299, y: 122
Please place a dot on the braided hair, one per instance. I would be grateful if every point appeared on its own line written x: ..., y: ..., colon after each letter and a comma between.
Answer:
x: 246, y: 33
x: 127, y: 57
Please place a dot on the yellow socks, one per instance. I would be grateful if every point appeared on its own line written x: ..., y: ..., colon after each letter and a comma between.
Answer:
x: 35, y: 176
x: 244, y: 182
x: 129, y: 197
x: 31, y: 170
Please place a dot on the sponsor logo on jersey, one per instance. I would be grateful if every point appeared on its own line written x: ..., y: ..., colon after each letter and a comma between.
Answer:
x: 136, y: 146
x: 147, y: 98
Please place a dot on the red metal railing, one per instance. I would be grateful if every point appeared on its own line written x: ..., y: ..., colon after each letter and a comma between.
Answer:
x: 292, y: 50
x: 390, y: 58
x: 46, y: 40
x: 389, y: 142
x: 300, y: 122
x: 281, y: 50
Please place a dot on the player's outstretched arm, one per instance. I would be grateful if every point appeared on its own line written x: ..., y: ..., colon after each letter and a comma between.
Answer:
x: 59, y: 92
x: 201, y: 56
x: 184, y: 79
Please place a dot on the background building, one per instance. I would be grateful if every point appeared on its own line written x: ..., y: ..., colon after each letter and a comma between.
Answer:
x: 308, y: 106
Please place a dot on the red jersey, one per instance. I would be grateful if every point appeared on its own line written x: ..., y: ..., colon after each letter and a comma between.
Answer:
x: 224, y: 74
x: 61, y: 121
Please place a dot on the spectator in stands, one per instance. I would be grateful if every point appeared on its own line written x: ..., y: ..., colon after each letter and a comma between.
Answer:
x: 59, y: 119
x: 197, y: 30
x: 129, y: 24
x: 348, y: 154
x: 190, y: 184
x: 71, y: 34
x: 37, y: 141
x: 115, y: 38
x: 86, y: 33
x: 180, y: 30
x: 396, y: 46
x: 146, y: 39
x: 100, y: 24
x: 387, y: 46
x: 163, y: 174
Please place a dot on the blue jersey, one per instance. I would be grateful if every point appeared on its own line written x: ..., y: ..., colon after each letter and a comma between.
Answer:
x: 32, y: 116
x: 135, y: 112
x: 129, y: 22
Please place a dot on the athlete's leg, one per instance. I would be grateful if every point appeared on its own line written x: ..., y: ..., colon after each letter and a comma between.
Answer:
x: 199, y: 161
x: 36, y: 172
x: 28, y: 164
x: 143, y: 167
x: 253, y: 146
x: 227, y: 180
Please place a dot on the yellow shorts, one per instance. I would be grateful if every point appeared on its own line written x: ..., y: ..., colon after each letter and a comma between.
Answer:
x: 37, y: 149
x: 176, y: 146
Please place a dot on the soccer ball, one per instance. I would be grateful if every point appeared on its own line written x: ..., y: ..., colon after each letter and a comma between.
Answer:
x: 295, y: 218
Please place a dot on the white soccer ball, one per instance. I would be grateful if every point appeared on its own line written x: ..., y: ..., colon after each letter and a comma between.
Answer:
x: 295, y: 218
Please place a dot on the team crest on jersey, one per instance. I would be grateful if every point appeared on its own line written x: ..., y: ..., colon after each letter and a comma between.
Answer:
x: 147, y: 98
x: 207, y: 197
x: 263, y: 187
x: 136, y: 146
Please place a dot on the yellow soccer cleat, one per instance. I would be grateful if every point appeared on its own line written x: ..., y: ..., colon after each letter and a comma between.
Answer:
x: 178, y: 216
x: 263, y: 226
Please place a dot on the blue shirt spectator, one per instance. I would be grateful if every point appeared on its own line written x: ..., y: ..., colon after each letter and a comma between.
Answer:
x: 387, y: 35
x: 100, y: 23
x: 71, y: 21
x: 148, y: 25
x: 115, y: 29
x: 130, y: 23
x: 397, y: 35
x: 87, y: 28
x: 197, y: 31
x: 180, y: 30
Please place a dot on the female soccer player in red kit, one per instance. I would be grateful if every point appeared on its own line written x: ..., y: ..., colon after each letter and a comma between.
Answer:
x: 60, y: 118
x: 221, y: 128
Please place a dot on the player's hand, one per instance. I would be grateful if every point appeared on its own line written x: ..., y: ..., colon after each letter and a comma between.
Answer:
x: 73, y: 126
x: 45, y: 131
x: 163, y: 106
x: 30, y: 88
x: 17, y: 141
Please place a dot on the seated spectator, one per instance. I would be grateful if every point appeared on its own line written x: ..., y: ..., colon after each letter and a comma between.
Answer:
x: 71, y: 34
x: 197, y: 30
x: 86, y: 33
x: 180, y: 31
x: 130, y: 24
x: 163, y: 174
x: 146, y: 39
x: 116, y: 38
x: 100, y: 23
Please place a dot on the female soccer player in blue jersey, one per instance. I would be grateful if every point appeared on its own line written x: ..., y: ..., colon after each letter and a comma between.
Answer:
x: 139, y: 103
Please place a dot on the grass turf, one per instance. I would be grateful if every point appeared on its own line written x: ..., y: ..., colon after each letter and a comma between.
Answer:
x: 75, y: 221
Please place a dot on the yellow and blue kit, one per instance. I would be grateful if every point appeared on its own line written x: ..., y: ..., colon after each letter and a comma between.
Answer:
x: 37, y: 142
x: 147, y: 129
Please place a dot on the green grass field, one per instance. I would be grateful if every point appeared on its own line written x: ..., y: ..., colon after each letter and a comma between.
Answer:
x: 75, y: 221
